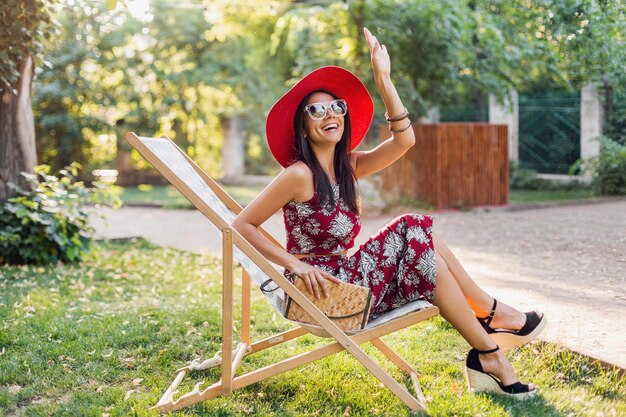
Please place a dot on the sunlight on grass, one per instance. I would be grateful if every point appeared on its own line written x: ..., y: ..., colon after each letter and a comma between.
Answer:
x: 106, y: 337
x: 532, y: 196
x: 168, y: 197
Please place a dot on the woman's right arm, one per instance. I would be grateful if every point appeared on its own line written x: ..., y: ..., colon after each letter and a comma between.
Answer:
x: 287, y: 186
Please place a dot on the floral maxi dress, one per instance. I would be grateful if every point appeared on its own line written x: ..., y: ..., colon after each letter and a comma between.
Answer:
x: 397, y: 264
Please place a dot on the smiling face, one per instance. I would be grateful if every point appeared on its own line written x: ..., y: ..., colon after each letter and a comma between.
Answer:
x: 326, y: 131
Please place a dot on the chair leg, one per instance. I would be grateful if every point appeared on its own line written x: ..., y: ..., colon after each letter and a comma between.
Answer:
x: 403, y: 365
x: 418, y: 390
x: 393, y: 356
x: 168, y: 397
x: 245, y: 307
x: 277, y: 339
x: 167, y: 403
x: 227, y: 311
x: 195, y: 365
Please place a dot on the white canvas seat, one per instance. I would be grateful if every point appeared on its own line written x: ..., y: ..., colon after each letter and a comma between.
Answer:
x: 220, y: 210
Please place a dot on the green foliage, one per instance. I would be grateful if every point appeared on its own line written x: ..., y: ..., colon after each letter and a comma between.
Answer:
x: 23, y: 26
x: 426, y: 43
x: 608, y: 168
x: 615, y: 126
x: 185, y: 68
x: 73, y: 101
x: 589, y: 35
x: 521, y: 178
x: 49, y: 223
x: 175, y: 72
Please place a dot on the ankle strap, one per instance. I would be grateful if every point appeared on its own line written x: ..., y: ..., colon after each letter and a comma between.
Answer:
x: 492, y: 312
x: 497, y: 348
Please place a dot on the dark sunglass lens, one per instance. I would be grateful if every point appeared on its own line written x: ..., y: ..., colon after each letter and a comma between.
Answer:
x: 317, y: 111
x: 338, y: 107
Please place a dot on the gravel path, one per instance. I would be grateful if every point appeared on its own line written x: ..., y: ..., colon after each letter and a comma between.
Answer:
x: 569, y: 262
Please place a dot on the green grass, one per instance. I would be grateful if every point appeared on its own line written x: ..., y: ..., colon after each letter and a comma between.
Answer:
x: 535, y: 196
x: 105, y: 337
x: 170, y: 198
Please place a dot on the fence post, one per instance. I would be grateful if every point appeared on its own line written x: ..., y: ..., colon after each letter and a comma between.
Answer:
x: 591, y: 120
x: 507, y: 113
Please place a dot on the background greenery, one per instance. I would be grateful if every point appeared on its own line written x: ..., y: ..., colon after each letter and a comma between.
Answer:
x: 47, y: 222
x: 183, y: 68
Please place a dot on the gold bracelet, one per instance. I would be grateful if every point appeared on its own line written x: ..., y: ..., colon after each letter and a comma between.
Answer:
x: 408, y: 125
x: 397, y: 118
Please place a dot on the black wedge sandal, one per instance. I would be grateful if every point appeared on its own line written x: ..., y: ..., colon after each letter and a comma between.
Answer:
x: 480, y: 381
x: 508, y: 339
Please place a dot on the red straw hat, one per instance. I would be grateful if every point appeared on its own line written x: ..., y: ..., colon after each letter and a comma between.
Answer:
x: 341, y: 82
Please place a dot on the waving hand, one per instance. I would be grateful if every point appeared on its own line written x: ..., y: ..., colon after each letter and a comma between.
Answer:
x: 381, y: 64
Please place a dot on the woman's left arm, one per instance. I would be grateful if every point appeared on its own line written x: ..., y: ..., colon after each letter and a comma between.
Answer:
x: 369, y: 162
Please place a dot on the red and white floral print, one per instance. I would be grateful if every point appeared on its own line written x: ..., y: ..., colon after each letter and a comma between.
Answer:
x: 397, y: 264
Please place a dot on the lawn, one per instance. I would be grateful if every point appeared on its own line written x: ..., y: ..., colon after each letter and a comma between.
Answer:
x: 104, y: 339
x: 536, y: 196
x: 169, y: 197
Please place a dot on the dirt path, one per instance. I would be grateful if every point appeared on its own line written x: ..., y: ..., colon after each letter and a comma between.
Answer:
x: 569, y: 262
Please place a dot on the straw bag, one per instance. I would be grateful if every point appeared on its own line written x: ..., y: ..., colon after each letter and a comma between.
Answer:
x: 347, y: 305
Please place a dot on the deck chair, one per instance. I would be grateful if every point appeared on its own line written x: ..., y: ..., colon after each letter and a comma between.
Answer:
x: 220, y: 209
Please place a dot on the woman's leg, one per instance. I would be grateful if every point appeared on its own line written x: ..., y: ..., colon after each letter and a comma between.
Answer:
x: 479, y: 301
x: 454, y: 308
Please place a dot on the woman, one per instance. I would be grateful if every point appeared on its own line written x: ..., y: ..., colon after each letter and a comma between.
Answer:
x: 312, y: 131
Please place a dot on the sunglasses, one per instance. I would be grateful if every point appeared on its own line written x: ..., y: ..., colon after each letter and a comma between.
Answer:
x: 318, y: 111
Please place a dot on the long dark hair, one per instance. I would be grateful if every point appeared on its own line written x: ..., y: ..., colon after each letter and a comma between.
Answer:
x: 341, y: 160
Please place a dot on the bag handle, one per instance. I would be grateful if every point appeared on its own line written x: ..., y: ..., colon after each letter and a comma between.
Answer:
x: 264, y: 289
x: 265, y: 284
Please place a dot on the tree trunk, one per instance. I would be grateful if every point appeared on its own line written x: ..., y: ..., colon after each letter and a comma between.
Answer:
x: 233, y: 149
x: 181, y: 137
x: 123, y: 159
x: 357, y: 11
x: 17, y: 132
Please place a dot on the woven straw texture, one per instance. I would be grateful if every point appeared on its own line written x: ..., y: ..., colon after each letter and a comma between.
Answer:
x: 344, y: 300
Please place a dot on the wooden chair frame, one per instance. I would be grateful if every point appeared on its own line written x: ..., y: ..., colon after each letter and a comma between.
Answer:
x: 231, y: 358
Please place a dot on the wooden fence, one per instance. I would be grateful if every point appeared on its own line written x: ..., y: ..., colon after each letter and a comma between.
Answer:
x: 452, y: 165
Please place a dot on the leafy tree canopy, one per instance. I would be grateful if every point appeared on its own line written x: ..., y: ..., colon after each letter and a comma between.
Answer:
x: 23, y: 27
x: 184, y: 67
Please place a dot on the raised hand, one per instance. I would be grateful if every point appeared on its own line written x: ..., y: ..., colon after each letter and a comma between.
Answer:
x: 381, y: 64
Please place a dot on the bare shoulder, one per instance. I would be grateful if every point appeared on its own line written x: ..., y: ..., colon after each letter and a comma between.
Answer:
x: 294, y: 183
x: 298, y: 171
x: 298, y: 177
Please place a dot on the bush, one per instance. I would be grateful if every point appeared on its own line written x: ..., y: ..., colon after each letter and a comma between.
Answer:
x: 608, y: 168
x: 526, y: 179
x: 49, y: 223
x: 523, y: 178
